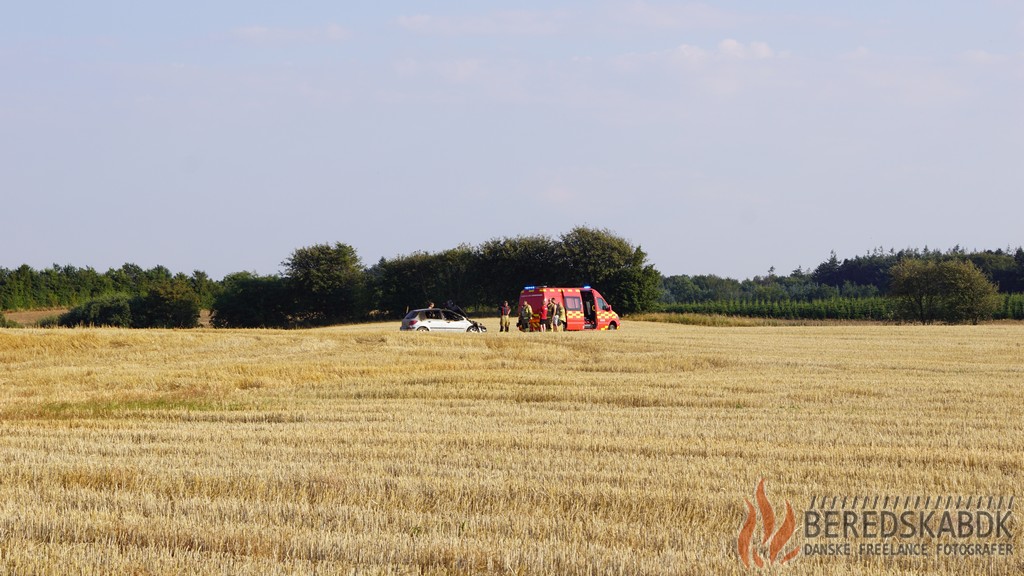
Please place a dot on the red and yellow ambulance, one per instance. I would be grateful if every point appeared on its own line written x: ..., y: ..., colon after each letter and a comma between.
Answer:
x: 585, y: 308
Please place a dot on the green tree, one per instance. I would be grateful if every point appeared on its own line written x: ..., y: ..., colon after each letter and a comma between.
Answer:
x: 457, y: 276
x: 953, y: 291
x: 328, y: 284
x: 679, y: 289
x: 1000, y: 266
x: 170, y: 304
x: 403, y: 283
x: 611, y: 263
x: 711, y: 287
x: 828, y: 272
x: 915, y: 286
x: 969, y: 295
x: 19, y: 288
x: 128, y: 279
x: 505, y: 265
x: 637, y: 287
x: 250, y: 301
x: 204, y: 287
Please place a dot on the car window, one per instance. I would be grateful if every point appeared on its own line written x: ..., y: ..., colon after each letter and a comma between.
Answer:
x: 449, y: 315
x: 433, y: 314
x: 412, y: 314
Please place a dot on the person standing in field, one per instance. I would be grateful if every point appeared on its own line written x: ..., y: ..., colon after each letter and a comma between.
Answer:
x: 503, y: 312
x: 560, y: 316
x: 544, y: 318
x: 525, y: 315
x: 552, y: 316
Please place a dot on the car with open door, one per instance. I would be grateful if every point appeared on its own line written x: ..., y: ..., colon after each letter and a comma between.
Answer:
x: 439, y: 320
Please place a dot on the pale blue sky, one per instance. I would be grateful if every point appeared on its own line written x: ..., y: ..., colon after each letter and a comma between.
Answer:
x: 722, y: 137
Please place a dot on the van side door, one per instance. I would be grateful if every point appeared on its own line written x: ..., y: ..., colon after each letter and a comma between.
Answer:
x: 573, y: 311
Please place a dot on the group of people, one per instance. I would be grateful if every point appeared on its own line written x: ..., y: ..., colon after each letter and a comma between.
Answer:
x: 552, y: 316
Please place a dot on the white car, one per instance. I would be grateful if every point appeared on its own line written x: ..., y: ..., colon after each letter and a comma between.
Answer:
x: 440, y: 319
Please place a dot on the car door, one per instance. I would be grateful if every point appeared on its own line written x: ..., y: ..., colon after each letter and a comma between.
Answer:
x: 434, y: 320
x: 454, y: 322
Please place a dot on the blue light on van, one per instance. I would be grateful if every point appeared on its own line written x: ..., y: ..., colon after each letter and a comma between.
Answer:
x: 529, y: 287
x: 587, y: 287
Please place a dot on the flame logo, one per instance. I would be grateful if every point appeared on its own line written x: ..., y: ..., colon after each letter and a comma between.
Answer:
x: 774, y: 540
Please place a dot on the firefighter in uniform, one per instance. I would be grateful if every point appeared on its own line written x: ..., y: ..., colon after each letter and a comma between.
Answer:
x: 504, y: 311
x: 560, y: 315
x: 525, y: 315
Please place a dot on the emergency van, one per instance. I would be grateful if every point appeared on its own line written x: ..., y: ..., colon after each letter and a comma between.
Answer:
x: 585, y: 308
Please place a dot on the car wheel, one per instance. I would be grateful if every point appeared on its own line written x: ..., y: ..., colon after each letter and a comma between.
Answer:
x: 423, y: 329
x: 473, y: 329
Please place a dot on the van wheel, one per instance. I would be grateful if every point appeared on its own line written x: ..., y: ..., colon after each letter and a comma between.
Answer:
x: 613, y: 326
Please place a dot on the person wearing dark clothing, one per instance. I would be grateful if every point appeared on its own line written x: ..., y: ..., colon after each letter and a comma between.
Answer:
x: 451, y: 305
x: 504, y: 311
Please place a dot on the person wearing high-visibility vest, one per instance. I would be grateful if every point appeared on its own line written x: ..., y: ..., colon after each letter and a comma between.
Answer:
x: 525, y: 315
x: 504, y: 311
x: 560, y: 313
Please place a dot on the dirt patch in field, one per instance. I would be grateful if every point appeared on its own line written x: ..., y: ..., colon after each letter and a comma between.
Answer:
x: 32, y: 317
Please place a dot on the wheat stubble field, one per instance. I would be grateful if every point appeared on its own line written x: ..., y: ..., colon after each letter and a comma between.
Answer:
x: 362, y: 450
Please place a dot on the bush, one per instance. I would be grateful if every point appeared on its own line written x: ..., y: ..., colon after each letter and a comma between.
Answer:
x: 170, y: 305
x: 877, y: 309
x: 49, y: 322
x: 114, y: 310
x: 250, y: 301
x: 1013, y: 307
x: 165, y: 306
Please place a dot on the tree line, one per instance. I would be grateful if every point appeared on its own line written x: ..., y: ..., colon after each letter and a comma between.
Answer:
x: 328, y: 284
x: 24, y: 288
x: 907, y: 285
x: 863, y: 276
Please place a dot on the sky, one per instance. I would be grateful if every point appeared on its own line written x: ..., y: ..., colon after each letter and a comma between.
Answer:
x: 721, y: 137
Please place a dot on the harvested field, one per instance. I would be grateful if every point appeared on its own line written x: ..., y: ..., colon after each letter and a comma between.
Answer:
x: 32, y: 317
x: 364, y: 450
